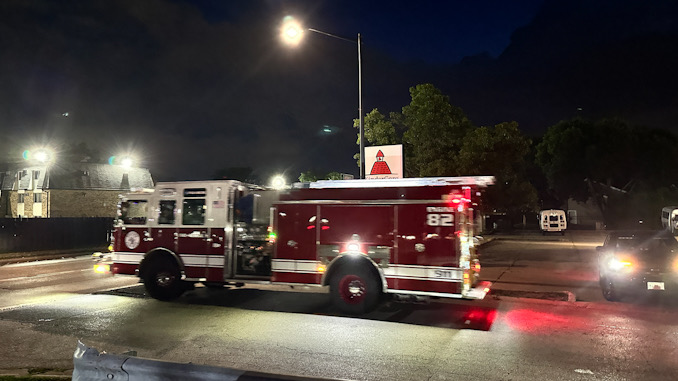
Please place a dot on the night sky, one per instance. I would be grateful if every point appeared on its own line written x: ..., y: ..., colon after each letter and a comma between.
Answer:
x: 195, y: 86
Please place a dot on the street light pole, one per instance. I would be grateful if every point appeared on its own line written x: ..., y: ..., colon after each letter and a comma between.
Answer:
x: 360, y: 111
x: 292, y: 32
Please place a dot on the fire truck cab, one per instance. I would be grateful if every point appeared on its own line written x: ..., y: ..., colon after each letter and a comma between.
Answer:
x: 362, y: 238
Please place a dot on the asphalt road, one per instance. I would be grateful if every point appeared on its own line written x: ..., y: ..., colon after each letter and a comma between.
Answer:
x: 46, y: 307
x: 532, y: 265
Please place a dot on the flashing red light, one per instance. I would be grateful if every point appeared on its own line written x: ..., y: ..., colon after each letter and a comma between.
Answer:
x: 476, y: 267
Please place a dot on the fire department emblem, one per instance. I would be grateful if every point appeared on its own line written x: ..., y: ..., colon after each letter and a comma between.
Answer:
x: 132, y: 240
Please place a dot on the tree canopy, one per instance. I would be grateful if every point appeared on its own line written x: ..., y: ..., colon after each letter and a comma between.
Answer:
x: 500, y: 151
x: 575, y: 152
x: 435, y: 132
x: 439, y: 140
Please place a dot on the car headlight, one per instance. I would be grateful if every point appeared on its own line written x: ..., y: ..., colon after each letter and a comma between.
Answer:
x: 616, y: 264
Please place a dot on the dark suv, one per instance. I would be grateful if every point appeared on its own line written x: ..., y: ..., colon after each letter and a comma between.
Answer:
x: 638, y: 262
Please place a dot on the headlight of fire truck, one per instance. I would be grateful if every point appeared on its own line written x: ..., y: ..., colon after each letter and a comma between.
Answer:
x: 102, y: 263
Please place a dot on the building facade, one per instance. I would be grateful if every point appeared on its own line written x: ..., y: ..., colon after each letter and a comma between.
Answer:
x: 78, y: 190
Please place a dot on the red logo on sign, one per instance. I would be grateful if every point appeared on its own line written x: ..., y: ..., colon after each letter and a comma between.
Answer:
x: 380, y: 167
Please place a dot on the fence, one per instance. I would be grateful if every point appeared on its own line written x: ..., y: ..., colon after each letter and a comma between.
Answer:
x: 36, y: 234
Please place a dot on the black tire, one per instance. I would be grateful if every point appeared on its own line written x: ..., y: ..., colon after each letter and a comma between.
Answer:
x: 354, y: 290
x: 162, y: 279
x: 608, y: 289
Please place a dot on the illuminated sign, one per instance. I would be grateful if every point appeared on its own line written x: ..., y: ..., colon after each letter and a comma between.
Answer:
x: 384, y: 162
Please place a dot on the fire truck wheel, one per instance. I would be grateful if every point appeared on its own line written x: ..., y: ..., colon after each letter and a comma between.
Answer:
x: 354, y: 291
x: 162, y: 280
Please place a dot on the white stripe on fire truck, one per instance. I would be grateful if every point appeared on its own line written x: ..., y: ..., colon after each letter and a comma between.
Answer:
x: 294, y: 266
x: 412, y: 272
x: 128, y: 258
x: 435, y: 273
x: 201, y: 260
x: 216, y: 261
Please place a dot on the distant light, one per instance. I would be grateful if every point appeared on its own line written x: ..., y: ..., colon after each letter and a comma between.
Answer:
x: 291, y: 31
x: 126, y: 162
x: 42, y: 155
x: 278, y: 182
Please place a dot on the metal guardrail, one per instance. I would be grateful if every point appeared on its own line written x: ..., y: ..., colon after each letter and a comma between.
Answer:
x: 90, y: 365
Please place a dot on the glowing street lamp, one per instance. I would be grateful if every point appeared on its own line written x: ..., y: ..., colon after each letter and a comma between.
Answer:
x: 278, y: 182
x: 41, y: 155
x: 292, y: 32
x: 125, y: 161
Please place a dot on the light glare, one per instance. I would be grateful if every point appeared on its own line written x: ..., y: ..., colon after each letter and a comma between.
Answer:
x: 291, y: 31
x: 42, y: 155
x: 353, y: 247
x: 126, y: 162
x: 616, y: 264
x: 278, y: 182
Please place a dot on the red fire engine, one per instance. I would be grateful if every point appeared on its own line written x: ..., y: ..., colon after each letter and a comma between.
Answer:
x: 363, y: 238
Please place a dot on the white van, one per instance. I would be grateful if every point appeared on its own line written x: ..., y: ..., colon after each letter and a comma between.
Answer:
x: 552, y: 220
x: 670, y: 218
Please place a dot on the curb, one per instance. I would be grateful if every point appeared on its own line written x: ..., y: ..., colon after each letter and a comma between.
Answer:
x: 30, y: 256
x: 559, y: 296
